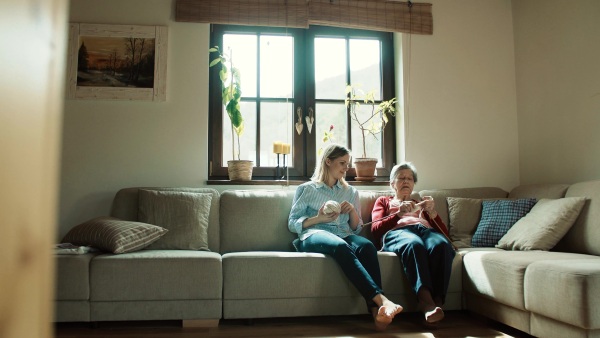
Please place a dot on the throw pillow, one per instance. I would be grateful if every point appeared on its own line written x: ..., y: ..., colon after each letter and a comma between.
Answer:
x: 497, y: 217
x: 546, y: 223
x: 114, y: 235
x: 463, y: 216
x: 184, y: 214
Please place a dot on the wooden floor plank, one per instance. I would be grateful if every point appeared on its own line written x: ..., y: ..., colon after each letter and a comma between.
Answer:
x: 410, y: 325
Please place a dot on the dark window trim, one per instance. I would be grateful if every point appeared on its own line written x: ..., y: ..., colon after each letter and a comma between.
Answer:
x: 303, y: 165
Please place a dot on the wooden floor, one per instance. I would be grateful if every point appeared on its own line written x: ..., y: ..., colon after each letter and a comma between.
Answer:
x: 456, y: 324
x: 408, y: 325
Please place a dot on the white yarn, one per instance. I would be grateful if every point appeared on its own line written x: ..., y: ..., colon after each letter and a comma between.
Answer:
x: 397, y: 203
x: 332, y: 207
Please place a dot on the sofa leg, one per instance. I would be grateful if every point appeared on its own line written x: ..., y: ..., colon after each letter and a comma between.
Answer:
x: 191, y: 323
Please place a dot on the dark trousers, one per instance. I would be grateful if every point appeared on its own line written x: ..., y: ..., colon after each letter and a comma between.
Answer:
x: 357, y: 257
x: 426, y: 256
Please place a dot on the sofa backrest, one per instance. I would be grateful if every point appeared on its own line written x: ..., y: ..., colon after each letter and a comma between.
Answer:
x: 584, y: 236
x: 441, y: 203
x: 125, y: 206
x: 256, y: 220
x: 539, y: 191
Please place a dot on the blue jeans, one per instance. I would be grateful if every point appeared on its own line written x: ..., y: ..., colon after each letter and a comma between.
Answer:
x: 357, y: 257
x: 426, y: 256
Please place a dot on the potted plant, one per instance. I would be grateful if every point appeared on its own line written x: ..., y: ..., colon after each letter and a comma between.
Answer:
x: 231, y: 93
x: 370, y: 124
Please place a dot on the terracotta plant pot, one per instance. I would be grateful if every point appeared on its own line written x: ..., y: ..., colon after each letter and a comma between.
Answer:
x: 240, y: 170
x: 365, y: 168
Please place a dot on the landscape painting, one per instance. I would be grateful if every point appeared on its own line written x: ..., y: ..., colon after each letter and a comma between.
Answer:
x: 115, y: 62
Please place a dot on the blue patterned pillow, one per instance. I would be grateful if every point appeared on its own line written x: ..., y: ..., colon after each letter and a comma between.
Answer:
x: 497, y: 217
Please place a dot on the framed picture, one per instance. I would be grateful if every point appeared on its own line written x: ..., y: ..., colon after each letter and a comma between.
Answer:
x: 117, y: 62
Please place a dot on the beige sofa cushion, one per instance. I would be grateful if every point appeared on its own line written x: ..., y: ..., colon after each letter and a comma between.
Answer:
x: 539, y: 191
x: 126, y: 202
x: 565, y: 290
x: 499, y: 275
x: 151, y: 275
x: 440, y: 196
x: 184, y: 214
x: 584, y: 235
x: 256, y: 220
x: 464, y: 215
x: 546, y: 223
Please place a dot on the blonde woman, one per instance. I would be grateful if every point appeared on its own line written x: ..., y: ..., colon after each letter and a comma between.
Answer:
x: 334, y: 230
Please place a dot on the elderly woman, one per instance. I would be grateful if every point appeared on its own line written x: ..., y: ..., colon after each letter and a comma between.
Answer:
x: 416, y: 233
x: 326, y: 216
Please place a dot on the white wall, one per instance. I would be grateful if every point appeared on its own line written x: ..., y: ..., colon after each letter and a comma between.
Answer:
x: 557, y: 48
x: 108, y: 145
x: 462, y: 121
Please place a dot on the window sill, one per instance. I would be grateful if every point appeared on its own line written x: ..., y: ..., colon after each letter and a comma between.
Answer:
x: 287, y: 183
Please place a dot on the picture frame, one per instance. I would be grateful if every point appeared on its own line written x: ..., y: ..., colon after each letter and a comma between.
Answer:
x: 117, y: 62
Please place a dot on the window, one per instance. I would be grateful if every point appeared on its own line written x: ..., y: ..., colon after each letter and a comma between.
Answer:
x: 289, y: 75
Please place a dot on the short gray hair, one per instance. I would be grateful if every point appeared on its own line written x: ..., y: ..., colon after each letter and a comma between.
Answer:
x: 402, y: 166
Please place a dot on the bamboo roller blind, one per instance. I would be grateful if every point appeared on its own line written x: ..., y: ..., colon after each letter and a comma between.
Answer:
x: 378, y: 15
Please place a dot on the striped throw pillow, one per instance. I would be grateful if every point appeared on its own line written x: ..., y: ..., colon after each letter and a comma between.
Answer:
x: 114, y: 235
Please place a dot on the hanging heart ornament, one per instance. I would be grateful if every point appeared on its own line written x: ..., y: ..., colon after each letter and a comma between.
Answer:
x: 299, y: 125
x: 309, y: 122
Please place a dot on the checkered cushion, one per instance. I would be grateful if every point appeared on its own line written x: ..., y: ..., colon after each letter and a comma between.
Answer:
x: 497, y: 217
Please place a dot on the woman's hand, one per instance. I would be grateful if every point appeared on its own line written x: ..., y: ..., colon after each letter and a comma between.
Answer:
x: 322, y: 217
x: 428, y: 204
x: 347, y: 207
x: 402, y: 207
x: 394, y: 206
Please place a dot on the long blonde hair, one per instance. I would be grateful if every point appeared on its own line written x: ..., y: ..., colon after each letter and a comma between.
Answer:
x: 332, y: 152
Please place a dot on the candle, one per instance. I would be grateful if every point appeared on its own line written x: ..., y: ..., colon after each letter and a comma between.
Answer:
x: 277, y: 147
x: 285, y: 148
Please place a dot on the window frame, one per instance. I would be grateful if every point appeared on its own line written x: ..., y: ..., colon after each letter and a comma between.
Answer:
x: 303, y: 161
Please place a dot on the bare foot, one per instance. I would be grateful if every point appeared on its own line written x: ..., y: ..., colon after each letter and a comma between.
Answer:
x: 434, y: 315
x: 384, y: 315
x: 381, y: 319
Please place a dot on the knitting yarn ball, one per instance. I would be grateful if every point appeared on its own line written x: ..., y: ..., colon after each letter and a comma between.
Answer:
x: 332, y: 207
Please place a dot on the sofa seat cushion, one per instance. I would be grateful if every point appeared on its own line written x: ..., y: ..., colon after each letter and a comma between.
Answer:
x: 565, y: 290
x: 273, y: 274
x: 156, y: 275
x: 73, y: 277
x: 499, y: 275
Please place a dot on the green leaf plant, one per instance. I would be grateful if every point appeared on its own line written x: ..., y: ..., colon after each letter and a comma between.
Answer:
x: 373, y: 123
x: 327, y: 137
x: 231, y: 93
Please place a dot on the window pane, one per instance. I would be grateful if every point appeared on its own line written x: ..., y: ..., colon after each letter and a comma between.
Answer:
x: 247, y: 139
x: 330, y: 68
x: 241, y: 48
x: 327, y: 115
x: 276, y: 66
x: 274, y: 117
x: 372, y: 142
x: 365, y: 66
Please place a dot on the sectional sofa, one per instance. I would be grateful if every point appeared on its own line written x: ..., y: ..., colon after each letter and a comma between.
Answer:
x: 252, y: 270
